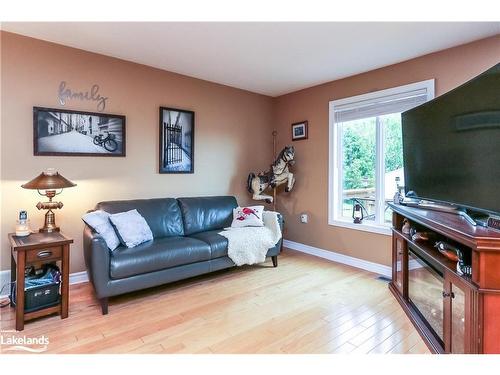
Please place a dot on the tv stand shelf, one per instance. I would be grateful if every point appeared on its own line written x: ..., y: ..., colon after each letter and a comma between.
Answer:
x: 481, y: 238
x: 469, y: 312
x: 431, y: 252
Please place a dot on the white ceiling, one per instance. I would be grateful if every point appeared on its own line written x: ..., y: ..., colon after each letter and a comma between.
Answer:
x: 267, y: 58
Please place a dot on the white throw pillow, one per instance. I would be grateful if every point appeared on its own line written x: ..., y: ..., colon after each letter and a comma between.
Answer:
x: 248, y: 217
x: 99, y: 221
x: 132, y: 228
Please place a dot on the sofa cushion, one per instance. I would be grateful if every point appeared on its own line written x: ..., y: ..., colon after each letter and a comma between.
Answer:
x: 206, y: 213
x: 250, y: 216
x: 99, y: 221
x: 157, y: 255
x: 218, y: 244
x: 163, y: 215
x: 131, y: 227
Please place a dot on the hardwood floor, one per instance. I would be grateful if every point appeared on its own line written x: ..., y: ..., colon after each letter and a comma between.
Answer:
x: 306, y: 305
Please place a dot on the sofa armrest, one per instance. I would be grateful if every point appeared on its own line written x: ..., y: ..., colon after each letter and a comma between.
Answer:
x: 281, y: 222
x: 97, y: 260
x: 276, y: 249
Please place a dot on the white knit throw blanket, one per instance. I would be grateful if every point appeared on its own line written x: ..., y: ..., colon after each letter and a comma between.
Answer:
x: 249, y: 245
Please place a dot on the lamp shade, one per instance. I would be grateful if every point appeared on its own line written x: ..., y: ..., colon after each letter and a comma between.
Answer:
x: 49, y: 180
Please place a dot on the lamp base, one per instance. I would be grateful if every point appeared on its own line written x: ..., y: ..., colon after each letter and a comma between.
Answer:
x: 49, y: 230
x: 50, y: 223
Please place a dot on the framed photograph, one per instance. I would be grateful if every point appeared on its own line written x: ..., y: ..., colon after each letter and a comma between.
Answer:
x: 299, y: 131
x: 75, y: 133
x: 176, y: 141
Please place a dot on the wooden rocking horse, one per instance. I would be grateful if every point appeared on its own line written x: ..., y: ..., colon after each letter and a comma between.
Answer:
x: 278, y: 174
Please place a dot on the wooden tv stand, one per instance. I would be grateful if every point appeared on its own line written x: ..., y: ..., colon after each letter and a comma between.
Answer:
x: 470, y: 305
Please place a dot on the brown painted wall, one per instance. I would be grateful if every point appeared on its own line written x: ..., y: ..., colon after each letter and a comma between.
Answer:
x: 449, y: 68
x: 230, y: 124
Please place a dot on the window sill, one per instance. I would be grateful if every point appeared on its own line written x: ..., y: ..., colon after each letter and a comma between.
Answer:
x: 365, y: 227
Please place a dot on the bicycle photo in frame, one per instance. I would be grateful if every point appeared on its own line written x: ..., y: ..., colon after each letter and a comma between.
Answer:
x: 76, y: 133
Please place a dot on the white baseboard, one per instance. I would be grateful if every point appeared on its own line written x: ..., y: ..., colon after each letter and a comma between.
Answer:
x: 74, y: 278
x: 4, y: 279
x: 340, y: 258
x: 78, y: 277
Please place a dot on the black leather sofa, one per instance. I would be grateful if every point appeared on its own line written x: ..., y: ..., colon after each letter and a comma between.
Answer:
x: 186, y: 244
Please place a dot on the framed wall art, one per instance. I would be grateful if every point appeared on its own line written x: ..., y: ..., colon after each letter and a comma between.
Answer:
x: 76, y: 133
x: 176, y: 141
x: 299, y: 131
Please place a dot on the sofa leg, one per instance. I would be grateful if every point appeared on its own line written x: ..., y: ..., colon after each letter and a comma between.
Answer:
x: 275, y: 260
x: 104, y: 305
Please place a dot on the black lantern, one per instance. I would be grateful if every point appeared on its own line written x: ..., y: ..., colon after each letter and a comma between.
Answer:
x: 357, y: 213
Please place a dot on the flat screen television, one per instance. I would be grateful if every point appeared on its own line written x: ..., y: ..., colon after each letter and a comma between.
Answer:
x: 451, y: 146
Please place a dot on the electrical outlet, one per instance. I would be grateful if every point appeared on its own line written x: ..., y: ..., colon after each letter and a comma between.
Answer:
x: 304, y: 218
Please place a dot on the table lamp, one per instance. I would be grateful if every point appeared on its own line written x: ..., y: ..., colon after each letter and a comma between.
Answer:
x: 46, y: 184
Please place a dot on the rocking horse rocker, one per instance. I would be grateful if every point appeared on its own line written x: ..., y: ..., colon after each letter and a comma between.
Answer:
x: 277, y: 175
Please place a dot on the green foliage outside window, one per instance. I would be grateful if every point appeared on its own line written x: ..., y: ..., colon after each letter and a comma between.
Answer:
x: 393, y: 142
x: 359, y: 145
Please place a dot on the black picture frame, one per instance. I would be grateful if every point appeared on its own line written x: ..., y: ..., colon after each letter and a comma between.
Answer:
x: 300, y: 131
x: 176, y: 141
x: 62, y: 132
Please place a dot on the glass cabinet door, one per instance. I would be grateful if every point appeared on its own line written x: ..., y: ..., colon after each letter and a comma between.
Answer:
x: 457, y: 320
x: 400, y: 248
x: 456, y: 300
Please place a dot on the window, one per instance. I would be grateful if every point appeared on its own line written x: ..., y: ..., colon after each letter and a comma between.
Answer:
x: 366, y: 153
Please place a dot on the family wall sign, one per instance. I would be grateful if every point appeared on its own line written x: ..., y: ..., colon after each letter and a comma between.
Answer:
x: 65, y: 94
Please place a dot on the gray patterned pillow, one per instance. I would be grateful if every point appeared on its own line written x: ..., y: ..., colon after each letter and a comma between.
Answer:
x: 99, y: 221
x: 132, y: 228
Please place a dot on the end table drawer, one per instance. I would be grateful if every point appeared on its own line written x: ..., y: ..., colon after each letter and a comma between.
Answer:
x: 42, y: 254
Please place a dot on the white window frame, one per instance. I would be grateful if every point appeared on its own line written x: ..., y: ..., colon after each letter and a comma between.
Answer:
x: 335, y: 159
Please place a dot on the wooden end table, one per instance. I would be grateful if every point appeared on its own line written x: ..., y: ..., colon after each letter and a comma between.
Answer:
x: 36, y: 249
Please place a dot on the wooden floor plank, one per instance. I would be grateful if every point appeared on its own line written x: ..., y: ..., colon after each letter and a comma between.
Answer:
x: 306, y: 305
x: 418, y: 348
x: 406, y: 344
